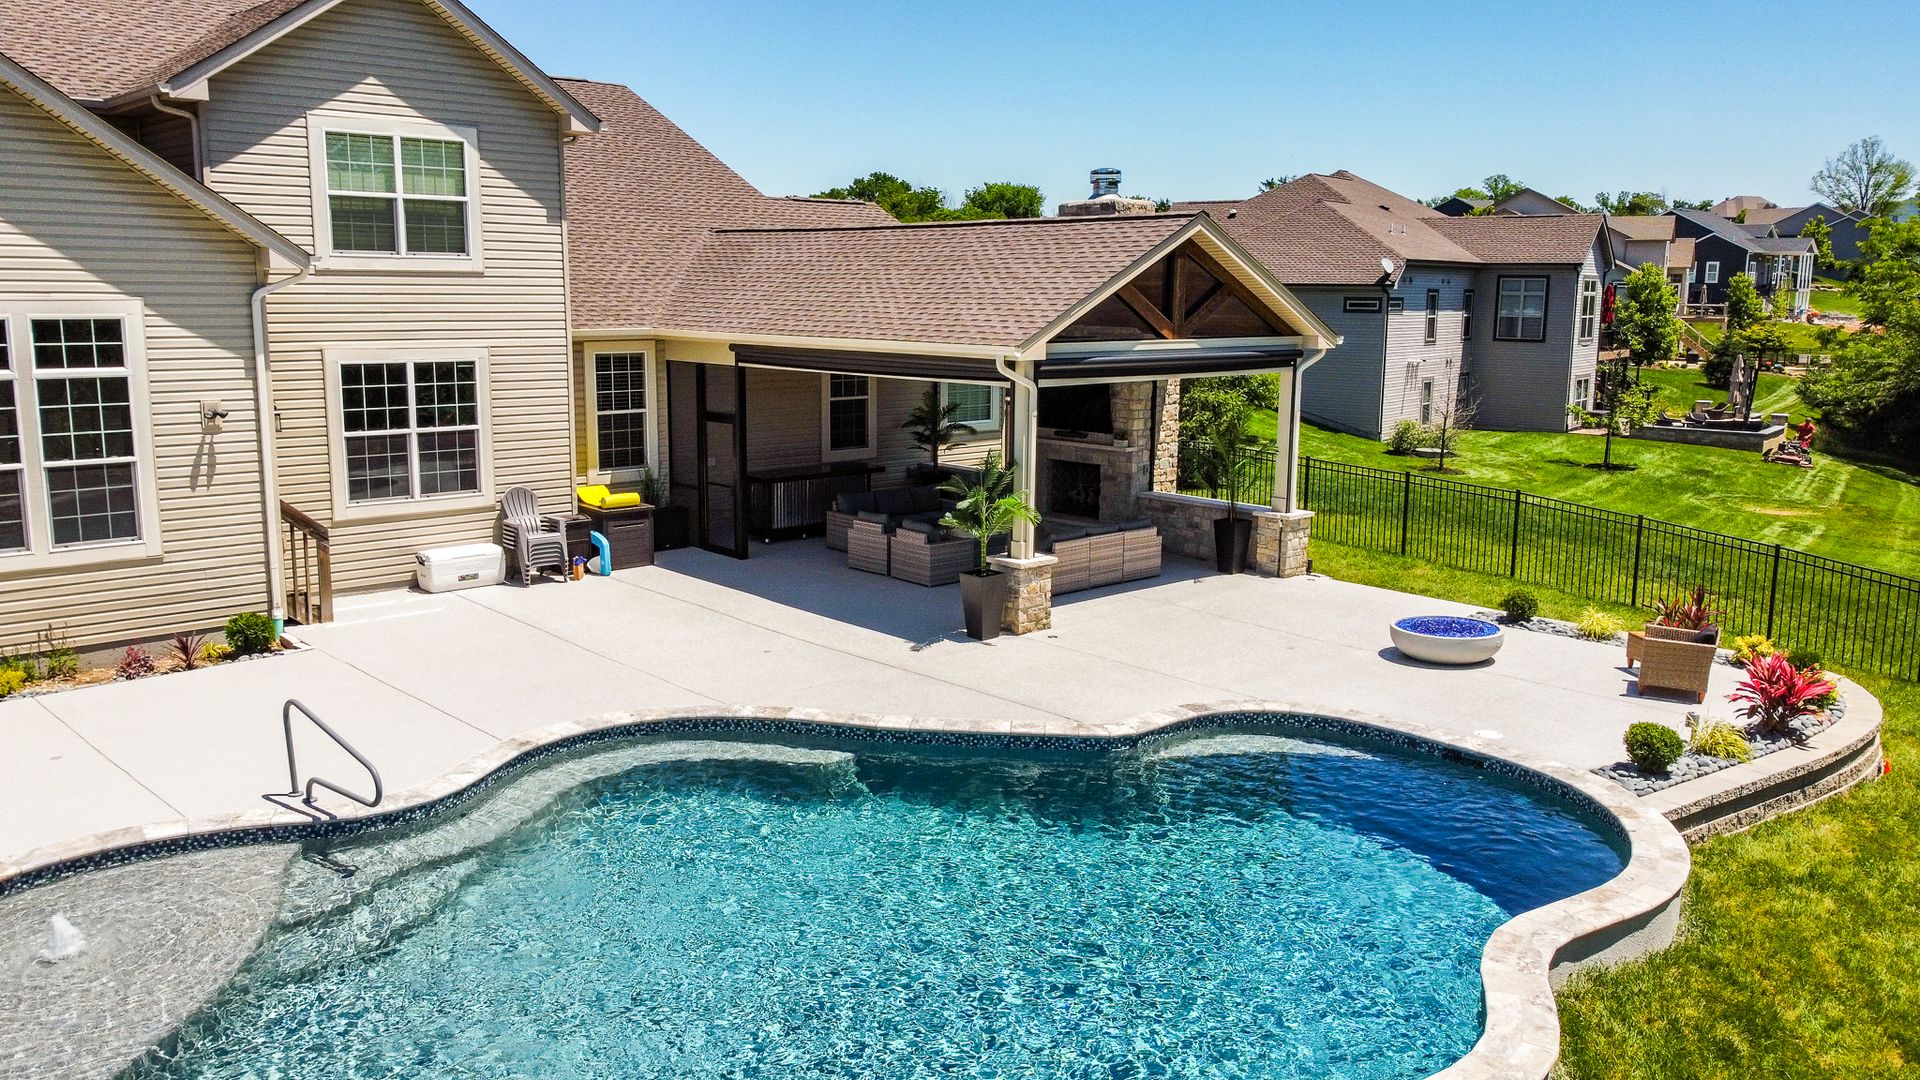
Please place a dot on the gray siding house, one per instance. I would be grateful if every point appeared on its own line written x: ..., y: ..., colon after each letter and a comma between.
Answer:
x: 1504, y: 308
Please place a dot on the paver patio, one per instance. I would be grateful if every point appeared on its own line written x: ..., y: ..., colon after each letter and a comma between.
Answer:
x: 421, y: 682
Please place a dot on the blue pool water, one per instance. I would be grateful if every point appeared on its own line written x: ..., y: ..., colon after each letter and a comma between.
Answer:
x: 1448, y: 626
x: 1240, y: 906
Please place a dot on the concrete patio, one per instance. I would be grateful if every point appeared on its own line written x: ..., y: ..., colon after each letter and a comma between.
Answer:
x: 421, y: 683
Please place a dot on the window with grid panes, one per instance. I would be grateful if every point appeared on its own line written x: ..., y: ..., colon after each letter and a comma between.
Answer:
x: 412, y: 429
x: 396, y: 194
x: 620, y: 409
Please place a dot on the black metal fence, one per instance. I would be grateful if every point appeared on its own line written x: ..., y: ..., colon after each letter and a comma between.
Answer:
x: 1849, y: 614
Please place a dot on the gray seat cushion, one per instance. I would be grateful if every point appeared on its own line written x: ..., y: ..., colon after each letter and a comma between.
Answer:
x: 893, y: 501
x: 876, y: 517
x: 924, y: 525
x: 853, y: 502
x: 925, y: 499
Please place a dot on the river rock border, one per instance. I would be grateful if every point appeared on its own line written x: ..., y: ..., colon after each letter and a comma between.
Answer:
x: 1634, y: 913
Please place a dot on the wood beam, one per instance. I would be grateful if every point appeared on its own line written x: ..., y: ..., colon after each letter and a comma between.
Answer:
x: 1144, y: 308
x: 1226, y: 278
x: 1208, y: 304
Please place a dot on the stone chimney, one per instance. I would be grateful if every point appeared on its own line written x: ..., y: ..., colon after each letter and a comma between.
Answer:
x: 1106, y: 200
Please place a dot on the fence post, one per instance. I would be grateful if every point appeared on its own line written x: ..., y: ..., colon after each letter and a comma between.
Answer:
x: 1513, y: 550
x: 1306, y: 483
x: 1639, y: 538
x: 1406, y: 508
x: 1773, y: 588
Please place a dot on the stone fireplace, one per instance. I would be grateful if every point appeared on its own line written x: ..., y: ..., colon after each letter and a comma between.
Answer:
x: 1073, y: 487
x: 1102, y: 475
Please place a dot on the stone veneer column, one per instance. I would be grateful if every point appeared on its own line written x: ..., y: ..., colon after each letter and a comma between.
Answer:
x: 1166, y: 439
x: 1280, y: 542
x: 1029, y: 595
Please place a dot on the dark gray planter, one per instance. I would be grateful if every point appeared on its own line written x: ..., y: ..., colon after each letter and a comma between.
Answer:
x: 984, y: 598
x: 1231, y: 538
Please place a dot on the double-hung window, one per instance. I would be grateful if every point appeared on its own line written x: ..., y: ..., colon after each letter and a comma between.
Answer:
x: 848, y: 421
x: 1466, y: 315
x: 1426, y: 401
x: 1589, y: 307
x: 975, y: 405
x: 1433, y: 315
x: 1712, y: 275
x: 395, y: 190
x: 620, y: 410
x: 410, y: 426
x: 75, y: 462
x: 1522, y: 314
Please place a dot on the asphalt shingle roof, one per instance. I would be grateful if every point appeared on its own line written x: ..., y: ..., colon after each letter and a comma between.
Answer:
x: 94, y: 50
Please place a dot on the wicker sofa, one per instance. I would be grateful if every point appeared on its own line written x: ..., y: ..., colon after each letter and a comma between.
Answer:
x: 1674, y: 659
x: 1106, y: 553
x: 886, y: 507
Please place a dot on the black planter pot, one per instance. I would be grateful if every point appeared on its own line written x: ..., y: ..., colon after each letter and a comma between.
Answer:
x: 672, y: 528
x: 1231, y: 537
x: 984, y: 597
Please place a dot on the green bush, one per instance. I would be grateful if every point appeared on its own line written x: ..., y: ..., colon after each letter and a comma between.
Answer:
x: 1654, y: 747
x: 1750, y: 647
x: 1807, y: 658
x: 27, y: 666
x: 1596, y: 625
x: 1406, y: 437
x: 1520, y: 606
x: 11, y: 680
x: 1717, y: 738
x: 250, y: 632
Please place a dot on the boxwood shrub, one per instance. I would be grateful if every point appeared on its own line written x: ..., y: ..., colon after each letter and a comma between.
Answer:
x: 1654, y: 747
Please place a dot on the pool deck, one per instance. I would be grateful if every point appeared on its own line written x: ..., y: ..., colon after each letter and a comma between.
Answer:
x: 422, y: 683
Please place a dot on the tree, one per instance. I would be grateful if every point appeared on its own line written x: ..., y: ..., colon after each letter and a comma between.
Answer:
x: 1745, y: 310
x: 1632, y: 203
x: 1282, y: 180
x: 1690, y: 204
x: 1500, y: 186
x: 1870, y: 393
x: 1457, y: 412
x: 1865, y: 178
x: 1644, y: 323
x: 933, y: 425
x: 1624, y: 405
x: 1006, y: 199
x: 1575, y: 204
x: 1821, y: 234
x: 1205, y: 403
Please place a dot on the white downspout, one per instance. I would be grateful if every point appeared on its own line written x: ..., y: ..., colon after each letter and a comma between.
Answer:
x: 269, y: 474
x: 193, y: 129
x: 1026, y: 406
x: 1286, y: 471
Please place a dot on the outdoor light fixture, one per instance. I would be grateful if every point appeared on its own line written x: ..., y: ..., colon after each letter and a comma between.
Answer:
x: 212, y: 417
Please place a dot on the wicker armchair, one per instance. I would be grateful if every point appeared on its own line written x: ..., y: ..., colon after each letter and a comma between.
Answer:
x: 930, y: 556
x: 868, y: 546
x: 1676, y: 660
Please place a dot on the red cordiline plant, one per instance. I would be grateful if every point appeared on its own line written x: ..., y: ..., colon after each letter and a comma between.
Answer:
x: 1775, y: 693
x: 1692, y: 611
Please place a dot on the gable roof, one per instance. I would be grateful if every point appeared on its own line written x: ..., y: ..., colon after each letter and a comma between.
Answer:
x: 1334, y: 228
x: 1502, y: 206
x: 110, y: 139
x: 1642, y: 226
x: 103, y: 51
x: 1739, y: 237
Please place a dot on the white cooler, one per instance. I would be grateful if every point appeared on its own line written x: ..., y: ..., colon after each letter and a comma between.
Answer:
x: 463, y: 566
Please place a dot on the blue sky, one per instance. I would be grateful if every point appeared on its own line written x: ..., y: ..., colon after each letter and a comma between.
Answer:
x: 1203, y: 100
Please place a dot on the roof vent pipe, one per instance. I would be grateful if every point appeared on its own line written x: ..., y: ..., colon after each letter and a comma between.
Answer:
x: 1105, y: 182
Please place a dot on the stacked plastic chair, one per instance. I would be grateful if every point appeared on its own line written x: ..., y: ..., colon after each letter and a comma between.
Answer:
x: 537, y: 543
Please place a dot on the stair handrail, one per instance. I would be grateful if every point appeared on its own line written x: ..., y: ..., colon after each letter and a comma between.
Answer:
x: 293, y: 770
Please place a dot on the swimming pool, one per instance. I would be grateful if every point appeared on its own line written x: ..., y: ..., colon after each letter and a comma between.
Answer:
x: 1256, y: 902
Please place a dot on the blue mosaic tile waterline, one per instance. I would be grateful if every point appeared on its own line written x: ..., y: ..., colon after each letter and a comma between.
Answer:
x: 1305, y: 911
x: 1450, y: 626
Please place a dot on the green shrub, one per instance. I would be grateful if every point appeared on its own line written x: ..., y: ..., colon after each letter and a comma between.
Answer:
x: 11, y: 680
x: 1750, y: 647
x: 213, y: 652
x: 250, y: 632
x: 1406, y: 437
x: 1520, y: 606
x: 28, y: 667
x: 1596, y: 625
x: 135, y: 663
x: 1807, y: 658
x: 1717, y: 738
x: 1654, y: 747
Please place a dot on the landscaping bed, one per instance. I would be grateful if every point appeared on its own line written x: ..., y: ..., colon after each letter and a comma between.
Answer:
x: 1693, y: 766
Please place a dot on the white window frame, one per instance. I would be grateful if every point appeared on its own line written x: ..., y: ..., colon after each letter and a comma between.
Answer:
x: 1712, y: 274
x: 1583, y: 391
x: 1430, y: 328
x: 1466, y: 315
x: 1426, y: 401
x: 396, y: 128
x: 651, y: 413
x: 413, y: 505
x: 1546, y: 307
x: 993, y: 420
x: 41, y: 552
x: 1587, y: 309
x: 827, y: 452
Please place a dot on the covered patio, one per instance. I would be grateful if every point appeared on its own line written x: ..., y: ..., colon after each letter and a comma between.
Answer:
x: 788, y: 361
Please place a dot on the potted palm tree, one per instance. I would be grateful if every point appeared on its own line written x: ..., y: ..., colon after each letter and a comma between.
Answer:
x: 986, y: 507
x: 1227, y: 457
x: 933, y: 426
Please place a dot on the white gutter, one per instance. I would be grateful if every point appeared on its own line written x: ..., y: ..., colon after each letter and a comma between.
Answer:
x: 1014, y: 377
x: 269, y: 475
x: 193, y: 130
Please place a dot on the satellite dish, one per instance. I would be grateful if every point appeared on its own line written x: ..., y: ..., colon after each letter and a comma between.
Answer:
x: 1386, y: 266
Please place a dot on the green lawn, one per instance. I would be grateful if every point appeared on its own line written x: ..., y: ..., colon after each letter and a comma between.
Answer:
x: 1800, y: 337
x: 1828, y: 297
x: 1799, y: 938
x: 1867, y: 514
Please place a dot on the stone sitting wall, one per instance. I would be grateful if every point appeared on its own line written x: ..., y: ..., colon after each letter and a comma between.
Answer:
x: 1279, y: 545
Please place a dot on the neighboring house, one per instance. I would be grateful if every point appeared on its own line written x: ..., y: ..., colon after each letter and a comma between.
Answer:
x: 1506, y: 306
x: 1528, y: 203
x: 1722, y: 248
x: 1848, y: 230
x: 1456, y: 206
x: 334, y: 274
x: 1638, y: 240
x: 1733, y: 206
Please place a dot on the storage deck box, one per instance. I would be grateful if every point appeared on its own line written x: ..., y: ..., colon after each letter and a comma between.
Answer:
x: 464, y: 566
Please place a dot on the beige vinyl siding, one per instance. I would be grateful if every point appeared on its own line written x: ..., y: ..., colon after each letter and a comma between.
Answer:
x: 396, y: 59
x: 75, y: 223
